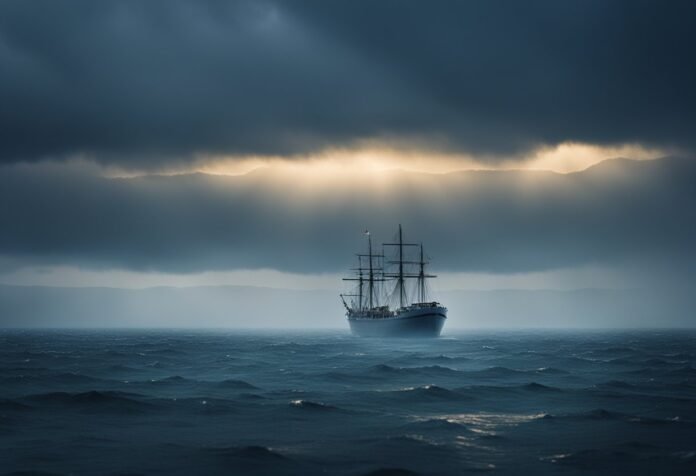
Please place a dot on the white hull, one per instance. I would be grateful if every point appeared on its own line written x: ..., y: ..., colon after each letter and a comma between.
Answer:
x: 419, y: 322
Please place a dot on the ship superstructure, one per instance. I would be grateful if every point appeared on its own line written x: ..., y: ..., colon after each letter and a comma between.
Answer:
x: 390, y: 293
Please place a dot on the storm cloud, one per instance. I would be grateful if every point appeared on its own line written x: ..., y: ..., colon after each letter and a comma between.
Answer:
x: 142, y: 84
x: 619, y: 213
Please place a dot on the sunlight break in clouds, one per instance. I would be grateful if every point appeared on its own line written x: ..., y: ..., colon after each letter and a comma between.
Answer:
x: 567, y: 157
x: 572, y: 157
x: 373, y: 158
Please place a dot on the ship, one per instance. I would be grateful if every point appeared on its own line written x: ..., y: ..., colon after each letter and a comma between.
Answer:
x: 390, y: 296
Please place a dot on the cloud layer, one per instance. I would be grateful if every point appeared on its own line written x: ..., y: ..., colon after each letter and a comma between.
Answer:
x: 142, y: 84
x: 618, y: 213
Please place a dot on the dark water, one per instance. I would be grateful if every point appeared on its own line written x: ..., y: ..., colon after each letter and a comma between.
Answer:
x: 178, y: 402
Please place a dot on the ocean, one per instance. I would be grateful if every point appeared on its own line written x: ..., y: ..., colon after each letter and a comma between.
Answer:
x: 186, y: 402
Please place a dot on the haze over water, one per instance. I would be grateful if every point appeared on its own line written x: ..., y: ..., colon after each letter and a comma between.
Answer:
x: 224, y: 402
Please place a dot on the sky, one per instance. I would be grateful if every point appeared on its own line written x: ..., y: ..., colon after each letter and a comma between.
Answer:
x: 536, y: 145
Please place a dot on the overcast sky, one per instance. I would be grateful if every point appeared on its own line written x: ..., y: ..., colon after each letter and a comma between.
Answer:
x: 182, y: 142
x: 143, y: 83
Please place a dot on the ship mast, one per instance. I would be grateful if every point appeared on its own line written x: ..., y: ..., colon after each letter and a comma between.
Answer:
x: 421, y: 276
x: 401, y: 269
x: 360, y: 283
x: 400, y: 283
x: 372, y: 275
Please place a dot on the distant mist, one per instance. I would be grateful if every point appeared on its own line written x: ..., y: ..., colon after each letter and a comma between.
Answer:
x: 256, y: 307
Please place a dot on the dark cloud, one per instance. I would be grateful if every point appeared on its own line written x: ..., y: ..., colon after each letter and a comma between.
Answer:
x: 619, y: 213
x: 143, y: 83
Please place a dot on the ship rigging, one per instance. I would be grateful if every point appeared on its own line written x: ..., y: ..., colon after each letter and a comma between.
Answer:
x: 374, y: 307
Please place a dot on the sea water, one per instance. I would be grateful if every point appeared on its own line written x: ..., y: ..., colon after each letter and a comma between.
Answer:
x: 290, y: 402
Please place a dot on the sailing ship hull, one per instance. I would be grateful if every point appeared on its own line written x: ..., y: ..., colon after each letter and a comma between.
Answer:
x: 414, y: 323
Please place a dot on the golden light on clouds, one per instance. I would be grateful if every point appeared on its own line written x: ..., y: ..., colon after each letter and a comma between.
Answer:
x: 573, y: 157
x: 564, y: 158
x: 371, y: 160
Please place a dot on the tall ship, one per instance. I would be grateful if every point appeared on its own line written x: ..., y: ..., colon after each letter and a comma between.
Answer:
x: 390, y: 293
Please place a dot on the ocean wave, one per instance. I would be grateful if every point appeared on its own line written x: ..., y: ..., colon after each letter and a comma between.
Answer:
x: 74, y: 378
x: 628, y: 457
x: 596, y: 414
x: 688, y: 384
x: 35, y: 473
x: 437, y: 370
x: 537, y: 387
x: 172, y: 380
x: 622, y: 384
x: 644, y: 372
x: 601, y: 414
x: 11, y: 405
x: 655, y: 362
x: 251, y: 396
x: 120, y: 368
x: 290, y: 347
x: 534, y: 354
x: 428, y: 392
x: 381, y: 371
x: 391, y: 472
x: 551, y: 371
x: 202, y: 405
x: 252, y: 452
x: 92, y: 400
x: 433, y: 359
x: 620, y: 361
x: 440, y: 358
x: 165, y: 352
x: 685, y: 371
x: 617, y: 350
x: 436, y: 424
x: 312, y: 406
x: 385, y: 369
x: 497, y: 372
x: 155, y: 364
x: 434, y: 370
x: 67, y: 378
x: 177, y: 380
x: 351, y: 378
x: 236, y: 385
x: 500, y: 391
x: 23, y: 370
